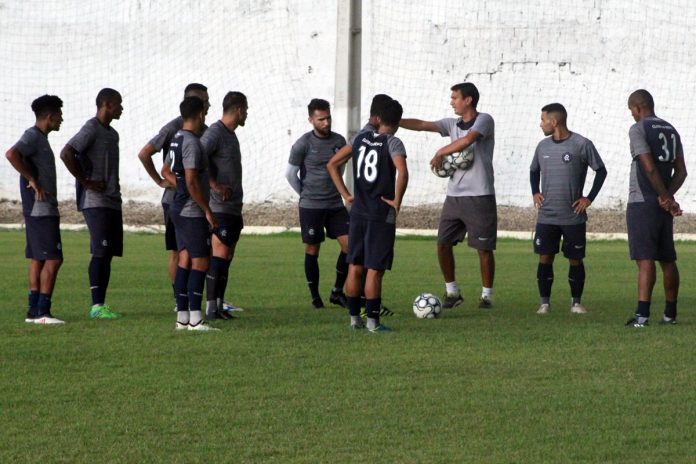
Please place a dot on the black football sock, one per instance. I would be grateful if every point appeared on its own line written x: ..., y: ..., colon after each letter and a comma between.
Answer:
x: 196, y: 282
x: 181, y: 289
x: 671, y: 309
x: 43, y: 305
x: 95, y: 274
x: 222, y: 283
x: 545, y: 281
x: 576, y: 279
x: 372, y: 306
x: 311, y: 266
x: 105, y: 275
x: 643, y: 311
x: 33, y: 300
x: 212, y: 280
x: 353, y: 306
x: 341, y: 271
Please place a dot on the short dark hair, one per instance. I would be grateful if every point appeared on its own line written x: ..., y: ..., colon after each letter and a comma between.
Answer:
x: 317, y: 104
x: 190, y: 107
x: 107, y: 95
x: 46, y: 104
x: 391, y: 113
x: 195, y: 86
x: 234, y: 100
x: 642, y: 99
x: 378, y: 102
x: 558, y: 110
x: 467, y: 89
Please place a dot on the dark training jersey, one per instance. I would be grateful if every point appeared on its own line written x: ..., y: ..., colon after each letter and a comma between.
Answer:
x: 659, y: 138
x: 221, y: 147
x: 39, y: 158
x: 563, y: 165
x: 161, y: 142
x: 186, y: 152
x: 374, y: 175
x: 311, y: 154
x: 98, y: 155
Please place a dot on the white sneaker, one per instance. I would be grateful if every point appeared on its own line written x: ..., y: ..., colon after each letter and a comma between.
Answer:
x: 181, y: 325
x: 46, y: 320
x: 227, y: 306
x: 544, y: 308
x: 577, y: 308
x: 202, y: 327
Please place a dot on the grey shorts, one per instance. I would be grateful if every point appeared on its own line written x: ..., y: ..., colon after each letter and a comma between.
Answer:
x: 476, y: 216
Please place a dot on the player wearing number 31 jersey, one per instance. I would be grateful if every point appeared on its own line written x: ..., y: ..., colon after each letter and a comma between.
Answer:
x: 658, y: 170
x: 380, y: 178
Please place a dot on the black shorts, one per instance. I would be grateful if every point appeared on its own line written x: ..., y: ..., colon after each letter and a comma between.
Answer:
x: 43, y: 238
x: 650, y: 232
x: 547, y: 239
x: 169, y: 229
x: 314, y: 221
x: 229, y: 228
x: 105, y: 231
x: 371, y: 243
x: 476, y: 216
x: 192, y: 235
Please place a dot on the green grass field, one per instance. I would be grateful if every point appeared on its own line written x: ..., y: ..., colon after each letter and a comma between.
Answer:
x: 286, y: 383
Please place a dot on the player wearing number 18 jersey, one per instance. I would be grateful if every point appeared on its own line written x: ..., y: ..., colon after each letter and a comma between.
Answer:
x: 380, y: 180
x: 657, y: 172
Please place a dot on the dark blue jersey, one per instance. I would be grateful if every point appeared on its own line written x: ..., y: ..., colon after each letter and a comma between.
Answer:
x: 374, y: 174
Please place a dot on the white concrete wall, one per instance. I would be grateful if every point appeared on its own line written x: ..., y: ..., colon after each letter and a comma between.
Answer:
x: 587, y: 54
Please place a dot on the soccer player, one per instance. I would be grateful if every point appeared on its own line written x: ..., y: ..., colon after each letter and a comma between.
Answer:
x: 560, y: 162
x: 380, y: 180
x: 320, y: 203
x: 221, y: 147
x: 161, y: 142
x: 470, y: 205
x: 92, y: 156
x: 658, y: 171
x: 191, y: 214
x: 35, y: 162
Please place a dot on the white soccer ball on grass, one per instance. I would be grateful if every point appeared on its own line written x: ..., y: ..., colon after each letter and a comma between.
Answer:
x: 427, y: 306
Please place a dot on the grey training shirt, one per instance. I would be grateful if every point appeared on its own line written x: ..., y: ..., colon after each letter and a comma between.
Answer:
x: 221, y: 147
x: 563, y: 166
x: 477, y: 180
x: 39, y: 158
x: 97, y: 147
x: 161, y: 142
x: 311, y: 154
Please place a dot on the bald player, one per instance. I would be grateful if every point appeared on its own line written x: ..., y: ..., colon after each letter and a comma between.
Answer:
x: 160, y: 142
x: 560, y: 163
x: 658, y: 171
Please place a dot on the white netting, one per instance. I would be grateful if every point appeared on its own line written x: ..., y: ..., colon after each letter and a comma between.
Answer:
x: 588, y: 55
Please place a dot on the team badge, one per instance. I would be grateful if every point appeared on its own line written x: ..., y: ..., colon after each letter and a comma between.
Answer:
x: 538, y: 241
x: 223, y: 233
x: 105, y: 243
x: 567, y: 157
x: 311, y: 232
x: 58, y: 246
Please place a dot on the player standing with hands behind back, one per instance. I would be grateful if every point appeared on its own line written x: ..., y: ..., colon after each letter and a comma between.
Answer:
x: 658, y: 171
x: 381, y: 177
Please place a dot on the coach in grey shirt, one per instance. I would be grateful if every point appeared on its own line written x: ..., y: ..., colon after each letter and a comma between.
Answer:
x: 560, y: 162
x: 470, y: 206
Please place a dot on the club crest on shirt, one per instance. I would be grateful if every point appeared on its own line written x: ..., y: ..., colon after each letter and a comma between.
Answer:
x: 567, y: 157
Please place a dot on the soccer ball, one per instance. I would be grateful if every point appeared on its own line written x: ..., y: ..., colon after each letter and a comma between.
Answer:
x: 464, y: 159
x: 446, y: 167
x: 427, y: 306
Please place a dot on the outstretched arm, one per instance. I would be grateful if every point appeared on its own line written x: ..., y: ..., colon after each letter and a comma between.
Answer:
x: 419, y: 125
